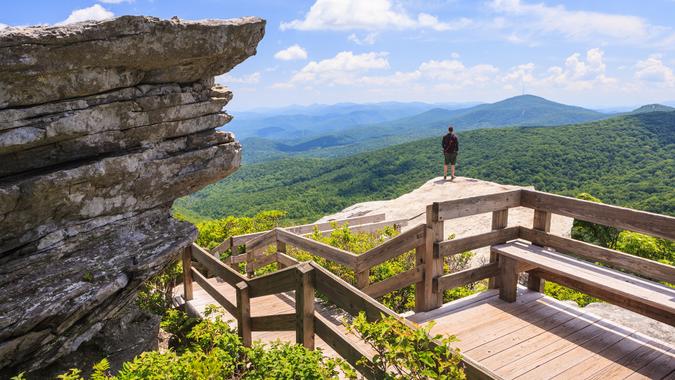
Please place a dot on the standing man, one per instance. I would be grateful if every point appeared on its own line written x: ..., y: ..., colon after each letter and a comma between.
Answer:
x: 450, y: 149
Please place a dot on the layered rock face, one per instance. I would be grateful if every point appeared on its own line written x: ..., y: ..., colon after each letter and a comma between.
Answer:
x: 102, y: 126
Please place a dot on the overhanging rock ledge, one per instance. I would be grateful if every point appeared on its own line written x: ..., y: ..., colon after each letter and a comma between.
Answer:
x: 102, y: 125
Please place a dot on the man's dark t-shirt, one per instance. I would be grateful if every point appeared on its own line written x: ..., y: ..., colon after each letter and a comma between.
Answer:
x: 450, y: 143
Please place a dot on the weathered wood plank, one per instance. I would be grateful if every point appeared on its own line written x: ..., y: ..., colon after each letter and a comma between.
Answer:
x: 187, y: 273
x: 396, y: 282
x: 243, y: 313
x: 481, y: 204
x: 370, y: 227
x: 277, y: 282
x: 222, y: 247
x: 392, y: 248
x: 260, y: 261
x: 216, y: 266
x: 348, y: 351
x: 500, y: 219
x: 346, y: 296
x: 608, y: 215
x: 508, y: 278
x: 304, y: 306
x: 433, y: 265
x: 467, y: 276
x: 541, y: 221
x: 317, y: 248
x: 285, y: 260
x: 260, y: 242
x: 278, y: 322
x: 213, y: 292
x: 455, y: 246
x: 626, y: 302
x: 616, y: 259
x: 309, y: 228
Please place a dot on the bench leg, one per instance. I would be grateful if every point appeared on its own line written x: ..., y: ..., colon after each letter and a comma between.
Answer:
x: 508, y: 278
x: 535, y: 282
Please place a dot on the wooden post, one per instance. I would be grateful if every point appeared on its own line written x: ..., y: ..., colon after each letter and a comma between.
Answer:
x: 541, y: 222
x: 363, y: 278
x: 419, y: 287
x: 243, y: 314
x: 508, y: 278
x: 249, y: 260
x: 187, y: 273
x: 281, y: 247
x: 304, y: 307
x: 500, y: 219
x: 433, y: 266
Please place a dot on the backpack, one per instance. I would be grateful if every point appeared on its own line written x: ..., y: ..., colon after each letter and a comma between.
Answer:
x: 450, y: 143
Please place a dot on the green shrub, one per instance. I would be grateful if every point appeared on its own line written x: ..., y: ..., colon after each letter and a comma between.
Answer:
x: 406, y: 353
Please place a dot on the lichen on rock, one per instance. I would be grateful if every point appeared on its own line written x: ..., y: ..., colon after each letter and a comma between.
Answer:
x: 102, y: 125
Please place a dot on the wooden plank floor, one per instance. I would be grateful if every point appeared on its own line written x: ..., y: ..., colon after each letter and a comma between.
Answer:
x: 538, y: 337
x: 535, y: 337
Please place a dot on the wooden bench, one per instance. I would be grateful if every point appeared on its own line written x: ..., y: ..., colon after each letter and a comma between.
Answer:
x: 627, y: 291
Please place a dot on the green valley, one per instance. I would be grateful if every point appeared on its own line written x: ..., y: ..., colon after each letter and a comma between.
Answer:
x: 626, y: 160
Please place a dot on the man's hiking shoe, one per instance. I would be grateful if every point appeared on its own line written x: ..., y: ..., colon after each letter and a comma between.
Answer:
x: 445, y: 178
x: 452, y: 178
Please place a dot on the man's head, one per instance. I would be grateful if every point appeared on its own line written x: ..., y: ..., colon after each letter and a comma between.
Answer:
x: 450, y: 129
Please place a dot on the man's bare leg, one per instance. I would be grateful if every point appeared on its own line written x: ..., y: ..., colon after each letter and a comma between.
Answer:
x: 452, y: 171
x: 445, y: 171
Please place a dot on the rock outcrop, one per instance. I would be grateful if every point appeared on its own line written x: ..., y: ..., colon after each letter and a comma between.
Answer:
x: 102, y: 125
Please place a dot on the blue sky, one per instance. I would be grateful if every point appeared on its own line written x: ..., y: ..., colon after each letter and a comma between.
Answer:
x: 589, y: 53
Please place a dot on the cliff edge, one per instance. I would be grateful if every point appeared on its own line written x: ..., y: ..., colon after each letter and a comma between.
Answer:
x: 102, y: 125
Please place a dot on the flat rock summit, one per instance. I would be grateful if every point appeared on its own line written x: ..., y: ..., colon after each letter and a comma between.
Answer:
x: 102, y: 125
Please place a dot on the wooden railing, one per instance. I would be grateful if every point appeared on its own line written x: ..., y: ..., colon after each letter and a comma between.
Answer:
x: 431, y: 248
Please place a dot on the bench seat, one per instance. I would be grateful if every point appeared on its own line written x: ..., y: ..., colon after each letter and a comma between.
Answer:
x: 639, y: 295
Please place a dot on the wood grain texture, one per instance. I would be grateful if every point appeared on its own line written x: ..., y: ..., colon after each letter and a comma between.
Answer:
x: 633, y: 220
x: 213, y: 292
x: 216, y: 266
x: 508, y: 278
x: 304, y: 306
x: 277, y: 322
x: 317, y: 248
x: 243, y: 313
x: 187, y: 273
x: 395, y: 282
x: 615, y: 259
x: 465, y: 277
x: 481, y: 204
x: 392, y: 248
x: 459, y: 245
x: 272, y: 283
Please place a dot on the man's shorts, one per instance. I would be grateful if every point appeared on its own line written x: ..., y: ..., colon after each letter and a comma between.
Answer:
x: 450, y: 157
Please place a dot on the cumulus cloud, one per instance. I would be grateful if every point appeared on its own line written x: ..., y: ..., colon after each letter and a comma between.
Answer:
x: 226, y: 79
x: 368, y: 39
x: 3, y: 26
x: 344, y: 68
x: 115, y: 1
x: 291, y: 53
x: 577, y: 25
x: 366, y: 15
x: 653, y: 70
x: 95, y: 12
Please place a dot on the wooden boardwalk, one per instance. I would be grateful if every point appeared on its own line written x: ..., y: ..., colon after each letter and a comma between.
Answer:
x: 535, y: 337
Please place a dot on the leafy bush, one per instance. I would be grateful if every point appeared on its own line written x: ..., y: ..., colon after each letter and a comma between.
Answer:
x: 155, y: 296
x: 406, y: 353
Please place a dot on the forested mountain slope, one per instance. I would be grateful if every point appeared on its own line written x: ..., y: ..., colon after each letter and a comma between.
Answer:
x: 627, y: 160
x: 522, y: 110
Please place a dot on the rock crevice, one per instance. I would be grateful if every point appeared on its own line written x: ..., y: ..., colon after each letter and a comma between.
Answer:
x: 103, y: 125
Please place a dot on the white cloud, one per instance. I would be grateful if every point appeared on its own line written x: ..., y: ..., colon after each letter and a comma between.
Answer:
x: 344, y: 68
x: 366, y: 15
x: 577, y: 25
x: 115, y: 1
x: 226, y: 79
x: 653, y: 70
x: 368, y: 39
x: 291, y: 53
x: 3, y: 26
x: 95, y: 12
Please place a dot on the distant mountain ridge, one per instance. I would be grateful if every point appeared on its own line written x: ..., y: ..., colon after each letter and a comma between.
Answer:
x: 652, y: 108
x: 625, y: 160
x: 524, y: 110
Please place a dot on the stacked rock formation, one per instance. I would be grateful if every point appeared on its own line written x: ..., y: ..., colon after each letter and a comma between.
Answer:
x: 102, y: 126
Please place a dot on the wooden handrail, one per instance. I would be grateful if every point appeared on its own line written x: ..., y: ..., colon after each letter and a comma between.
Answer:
x: 391, y: 248
x: 216, y: 266
x: 479, y: 204
x: 398, y: 281
x: 633, y: 220
x: 213, y: 292
x: 465, y: 277
x: 318, y: 248
x: 455, y: 246
x: 280, y: 281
